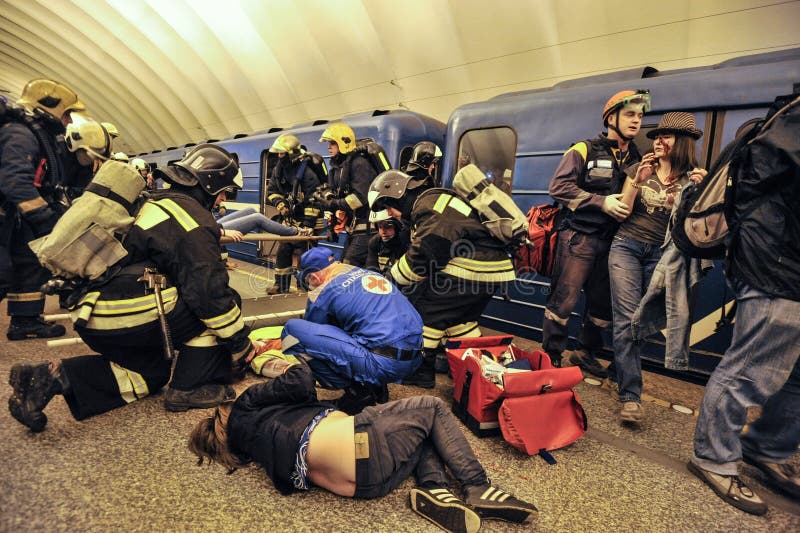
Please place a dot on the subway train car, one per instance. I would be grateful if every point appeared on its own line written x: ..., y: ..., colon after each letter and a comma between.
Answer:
x: 519, y: 138
x: 397, y: 131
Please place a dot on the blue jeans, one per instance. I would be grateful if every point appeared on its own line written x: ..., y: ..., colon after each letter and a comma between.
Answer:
x: 759, y: 368
x: 630, y: 266
x: 247, y: 220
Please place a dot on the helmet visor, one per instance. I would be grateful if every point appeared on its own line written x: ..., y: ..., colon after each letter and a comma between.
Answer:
x: 639, y: 101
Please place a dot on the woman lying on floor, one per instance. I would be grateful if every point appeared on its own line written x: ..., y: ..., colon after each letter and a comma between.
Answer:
x: 363, y: 456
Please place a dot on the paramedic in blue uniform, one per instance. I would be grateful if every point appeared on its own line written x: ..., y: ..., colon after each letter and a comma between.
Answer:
x: 174, y: 232
x: 587, y: 183
x: 34, y: 164
x: 359, y: 331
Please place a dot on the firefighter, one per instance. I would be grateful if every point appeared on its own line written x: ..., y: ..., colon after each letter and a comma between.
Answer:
x: 451, y: 269
x: 290, y: 191
x: 174, y: 232
x: 359, y: 331
x: 350, y: 176
x: 143, y: 169
x: 423, y: 167
x: 388, y: 245
x: 35, y: 167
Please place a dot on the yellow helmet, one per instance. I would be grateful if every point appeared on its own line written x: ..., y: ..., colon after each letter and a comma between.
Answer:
x: 287, y: 144
x: 342, y: 134
x: 51, y: 97
x: 111, y: 129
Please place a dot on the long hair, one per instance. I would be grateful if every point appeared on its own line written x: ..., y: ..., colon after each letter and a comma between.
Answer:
x: 682, y: 157
x: 209, y: 440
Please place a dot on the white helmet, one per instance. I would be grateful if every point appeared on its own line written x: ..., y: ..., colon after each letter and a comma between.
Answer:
x: 120, y: 156
x: 88, y: 139
x: 139, y: 164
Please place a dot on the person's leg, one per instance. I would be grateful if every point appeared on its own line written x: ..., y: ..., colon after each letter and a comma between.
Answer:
x: 355, y: 249
x: 762, y: 356
x: 626, y: 277
x: 230, y: 217
x: 283, y: 269
x: 256, y: 222
x: 770, y: 441
x: 573, y: 264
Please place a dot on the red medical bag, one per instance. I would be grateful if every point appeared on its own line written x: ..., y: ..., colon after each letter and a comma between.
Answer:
x: 535, y: 410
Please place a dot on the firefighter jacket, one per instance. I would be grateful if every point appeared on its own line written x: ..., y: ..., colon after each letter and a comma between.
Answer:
x: 381, y: 255
x: 350, y: 177
x: 367, y: 307
x: 294, y: 183
x: 589, y: 171
x: 179, y: 237
x: 449, y: 237
x: 28, y: 178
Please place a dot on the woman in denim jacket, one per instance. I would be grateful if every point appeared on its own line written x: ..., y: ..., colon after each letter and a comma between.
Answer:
x: 636, y: 248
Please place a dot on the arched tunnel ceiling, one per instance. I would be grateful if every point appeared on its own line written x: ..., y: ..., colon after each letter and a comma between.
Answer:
x: 170, y: 72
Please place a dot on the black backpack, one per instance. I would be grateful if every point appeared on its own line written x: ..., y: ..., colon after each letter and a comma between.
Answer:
x: 705, y: 224
x: 374, y: 153
x: 316, y: 163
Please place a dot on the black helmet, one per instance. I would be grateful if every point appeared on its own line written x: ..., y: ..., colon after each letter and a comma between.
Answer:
x: 389, y: 185
x: 206, y: 165
x: 425, y: 153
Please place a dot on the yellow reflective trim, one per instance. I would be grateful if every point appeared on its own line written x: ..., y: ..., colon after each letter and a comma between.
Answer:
x: 384, y: 162
x: 228, y: 331
x: 467, y: 329
x: 135, y: 305
x: 482, y: 266
x: 311, y: 211
x: 266, y: 333
x: 224, y: 319
x: 405, y: 270
x: 204, y: 340
x: 132, y: 385
x: 274, y: 197
x: 459, y: 205
x: 150, y: 215
x: 178, y: 213
x: 353, y: 202
x: 580, y: 147
x: 441, y: 203
x: 471, y: 275
x: 284, y: 271
x: 24, y: 296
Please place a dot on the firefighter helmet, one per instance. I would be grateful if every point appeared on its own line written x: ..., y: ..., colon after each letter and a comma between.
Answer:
x: 139, y: 164
x: 121, y: 156
x: 639, y: 97
x: 51, y: 97
x: 211, y: 167
x: 387, y: 186
x: 425, y: 154
x: 287, y: 144
x: 111, y: 129
x: 342, y: 134
x: 89, y: 136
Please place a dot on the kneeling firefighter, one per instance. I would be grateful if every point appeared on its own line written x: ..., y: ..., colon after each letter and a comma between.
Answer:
x: 175, y: 233
x: 452, y: 267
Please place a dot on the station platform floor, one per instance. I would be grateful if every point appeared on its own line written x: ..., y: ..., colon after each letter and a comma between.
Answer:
x: 130, y: 469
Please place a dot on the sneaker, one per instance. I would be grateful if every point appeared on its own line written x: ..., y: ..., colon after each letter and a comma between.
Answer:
x: 445, y: 510
x: 631, y: 412
x: 34, y: 386
x: 203, y: 397
x: 731, y: 489
x: 784, y: 476
x: 587, y: 362
x: 492, y: 503
x: 610, y: 386
x: 24, y: 327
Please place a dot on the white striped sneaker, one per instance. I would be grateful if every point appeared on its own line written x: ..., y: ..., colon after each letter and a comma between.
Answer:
x: 490, y: 502
x: 444, y: 509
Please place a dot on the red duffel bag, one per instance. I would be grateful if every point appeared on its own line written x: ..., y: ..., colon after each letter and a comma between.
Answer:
x: 536, y: 410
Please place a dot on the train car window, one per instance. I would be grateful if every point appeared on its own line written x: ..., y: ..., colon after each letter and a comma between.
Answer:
x: 493, y: 150
x: 405, y: 155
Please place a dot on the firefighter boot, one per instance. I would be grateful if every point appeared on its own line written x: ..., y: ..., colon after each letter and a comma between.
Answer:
x: 34, y: 386
x: 282, y: 284
x: 33, y: 327
x: 425, y: 376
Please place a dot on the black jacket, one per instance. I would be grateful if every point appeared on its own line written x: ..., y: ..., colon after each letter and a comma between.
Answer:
x: 295, y: 190
x: 350, y: 176
x: 382, y: 255
x: 765, y: 253
x: 589, y: 171
x: 268, y: 419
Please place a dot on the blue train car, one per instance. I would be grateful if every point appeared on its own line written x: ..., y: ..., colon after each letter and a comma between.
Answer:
x: 397, y: 131
x: 519, y: 138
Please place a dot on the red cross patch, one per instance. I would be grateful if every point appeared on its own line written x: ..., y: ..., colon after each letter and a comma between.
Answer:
x: 376, y: 284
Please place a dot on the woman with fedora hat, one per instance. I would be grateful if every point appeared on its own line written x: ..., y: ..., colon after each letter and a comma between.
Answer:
x: 636, y: 247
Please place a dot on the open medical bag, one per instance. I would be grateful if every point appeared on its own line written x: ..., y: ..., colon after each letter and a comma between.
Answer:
x: 536, y: 410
